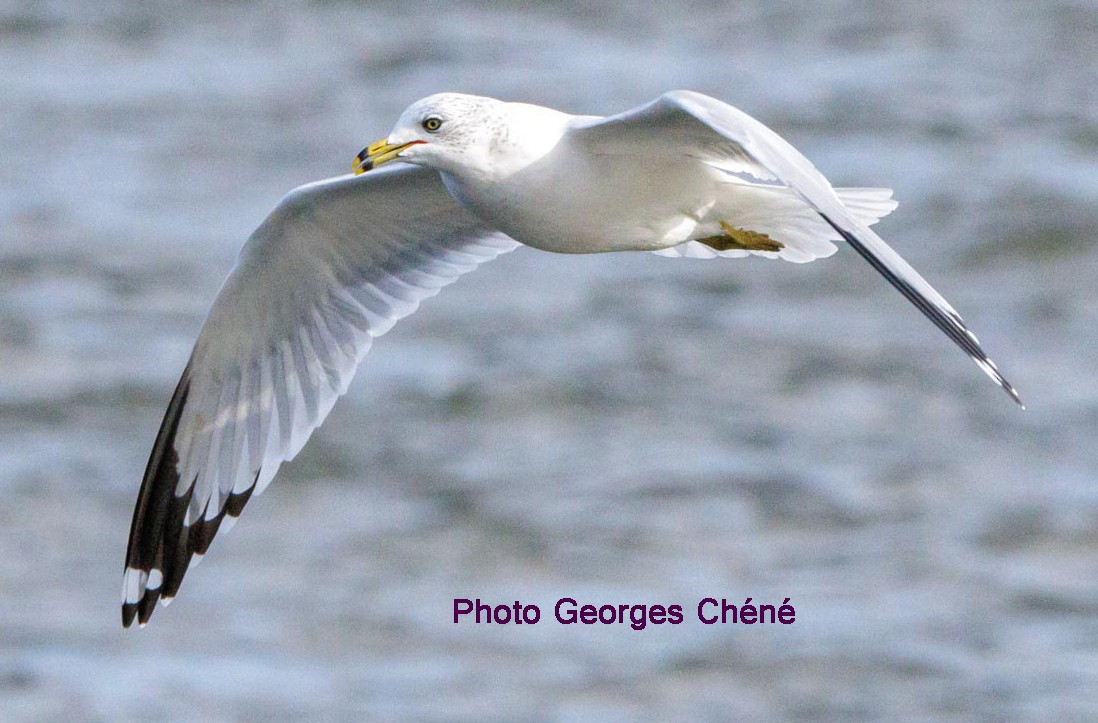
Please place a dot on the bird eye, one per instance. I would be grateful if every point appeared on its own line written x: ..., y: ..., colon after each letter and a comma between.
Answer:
x: 432, y: 124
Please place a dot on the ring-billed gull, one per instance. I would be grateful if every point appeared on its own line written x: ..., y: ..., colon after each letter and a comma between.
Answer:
x: 339, y: 261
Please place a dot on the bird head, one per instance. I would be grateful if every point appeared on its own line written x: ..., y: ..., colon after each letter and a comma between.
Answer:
x: 445, y: 131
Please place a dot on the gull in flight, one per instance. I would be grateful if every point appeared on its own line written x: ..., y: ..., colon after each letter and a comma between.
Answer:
x: 339, y: 261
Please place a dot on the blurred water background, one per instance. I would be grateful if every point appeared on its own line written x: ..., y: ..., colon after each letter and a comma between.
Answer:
x: 619, y: 428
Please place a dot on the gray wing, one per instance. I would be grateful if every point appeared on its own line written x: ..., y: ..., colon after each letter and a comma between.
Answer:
x: 686, y: 122
x: 336, y: 264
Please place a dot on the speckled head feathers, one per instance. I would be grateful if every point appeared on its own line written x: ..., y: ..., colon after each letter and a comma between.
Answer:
x: 469, y: 135
x: 453, y: 130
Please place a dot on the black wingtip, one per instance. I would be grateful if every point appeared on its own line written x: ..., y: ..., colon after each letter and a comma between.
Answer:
x: 129, y: 612
x: 203, y: 531
x: 161, y: 544
x: 147, y: 605
x: 155, y: 504
x: 949, y: 323
x: 1014, y: 395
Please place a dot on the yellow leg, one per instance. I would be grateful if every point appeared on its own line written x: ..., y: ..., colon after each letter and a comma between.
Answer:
x: 742, y: 239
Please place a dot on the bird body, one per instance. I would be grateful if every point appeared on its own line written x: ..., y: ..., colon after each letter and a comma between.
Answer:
x: 339, y: 261
x: 650, y: 214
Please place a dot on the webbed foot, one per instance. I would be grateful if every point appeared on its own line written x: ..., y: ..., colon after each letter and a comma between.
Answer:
x: 741, y: 239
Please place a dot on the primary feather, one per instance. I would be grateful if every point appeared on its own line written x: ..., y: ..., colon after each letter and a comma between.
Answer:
x: 338, y: 262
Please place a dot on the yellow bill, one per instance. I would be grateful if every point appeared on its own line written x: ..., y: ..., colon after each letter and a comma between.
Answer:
x: 377, y: 153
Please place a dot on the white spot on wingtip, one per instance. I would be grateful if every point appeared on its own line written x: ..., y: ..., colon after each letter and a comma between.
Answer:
x: 131, y: 585
x: 156, y: 579
x: 166, y: 601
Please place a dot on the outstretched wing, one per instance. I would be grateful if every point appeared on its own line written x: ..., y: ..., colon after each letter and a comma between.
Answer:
x: 336, y: 264
x: 733, y: 141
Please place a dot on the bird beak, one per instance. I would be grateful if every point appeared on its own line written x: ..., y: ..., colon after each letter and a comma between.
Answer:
x: 377, y: 153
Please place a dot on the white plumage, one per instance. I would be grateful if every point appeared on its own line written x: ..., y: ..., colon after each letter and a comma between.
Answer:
x: 338, y: 262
